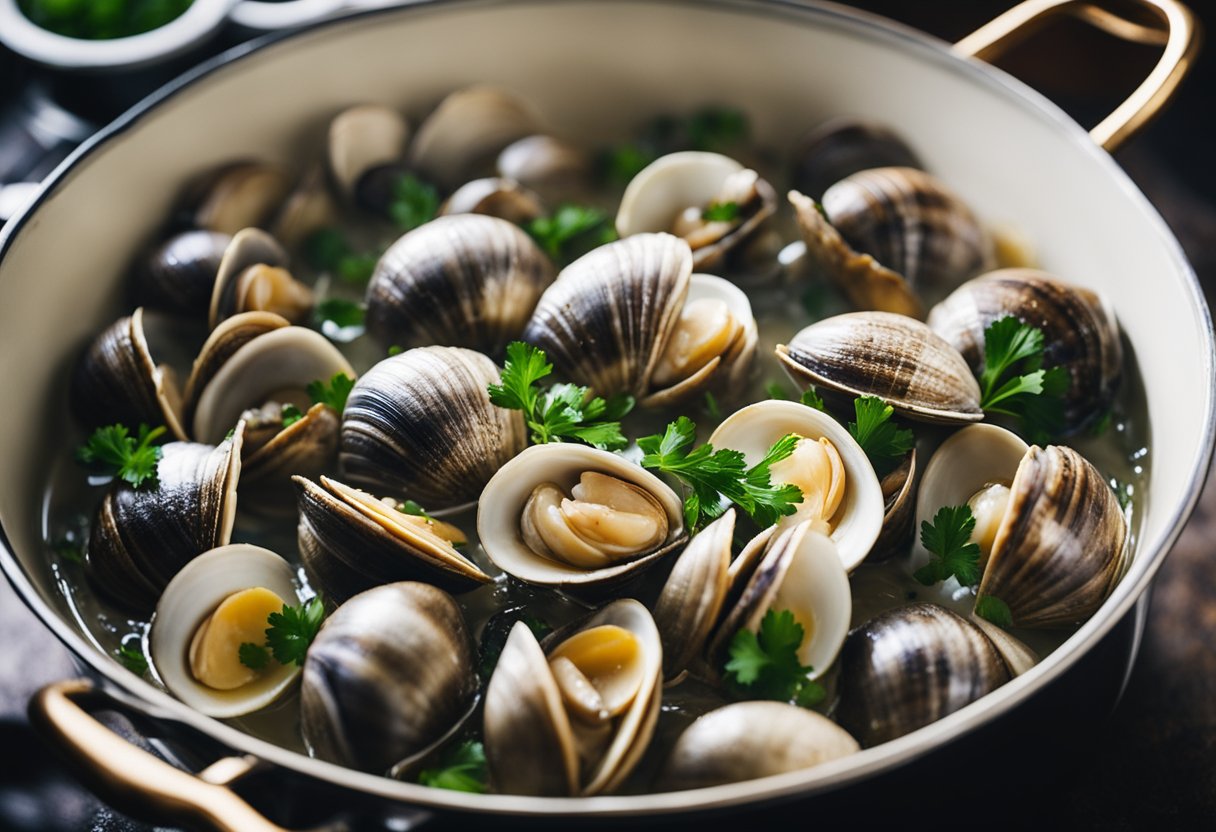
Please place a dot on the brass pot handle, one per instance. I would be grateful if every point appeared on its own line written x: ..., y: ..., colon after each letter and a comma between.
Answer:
x: 134, y: 781
x: 1179, y: 34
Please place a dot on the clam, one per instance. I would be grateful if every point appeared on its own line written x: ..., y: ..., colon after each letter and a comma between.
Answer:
x: 549, y: 166
x: 893, y: 357
x: 570, y: 515
x: 843, y: 146
x: 253, y: 277
x: 308, y: 208
x: 239, y: 195
x: 841, y: 496
x: 217, y: 602
x: 748, y: 740
x: 388, y: 677
x: 674, y: 192
x: 421, y: 423
x: 1051, y: 534
x: 286, y: 448
x: 362, y: 139
x: 141, y: 537
x: 469, y: 128
x: 465, y: 280
x: 911, y: 666
x: 576, y: 718
x: 899, y: 502
x: 495, y: 197
x: 117, y: 381
x: 613, y: 321
x: 1079, y: 332
x: 350, y: 541
x: 179, y: 274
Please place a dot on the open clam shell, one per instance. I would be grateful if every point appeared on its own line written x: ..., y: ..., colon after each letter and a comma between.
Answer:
x: 469, y: 128
x: 664, y: 190
x: 463, y: 280
x: 388, y: 676
x: 362, y: 138
x: 495, y: 197
x: 238, y: 195
x: 179, y: 274
x: 899, y: 501
x: 421, y: 424
x: 253, y: 277
x: 350, y: 542
x: 308, y: 208
x: 190, y: 598
x: 748, y: 740
x: 306, y: 447
x: 893, y: 357
x: 754, y: 429
x: 843, y: 146
x: 547, y: 165
x: 501, y: 511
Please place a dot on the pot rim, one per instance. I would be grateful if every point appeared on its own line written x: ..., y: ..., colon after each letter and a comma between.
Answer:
x: 799, y: 784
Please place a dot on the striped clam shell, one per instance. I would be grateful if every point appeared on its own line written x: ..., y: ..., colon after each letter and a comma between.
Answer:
x: 463, y: 280
x: 388, y: 676
x: 605, y: 321
x: 843, y: 146
x: 254, y: 255
x: 911, y: 666
x: 1060, y: 548
x: 891, y: 356
x: 1080, y: 332
x: 421, y: 424
x: 179, y: 274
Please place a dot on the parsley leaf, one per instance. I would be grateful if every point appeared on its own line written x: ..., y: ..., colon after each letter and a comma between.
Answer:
x: 714, y: 475
x: 993, y: 609
x: 413, y: 202
x: 293, y: 629
x: 564, y: 411
x: 767, y: 665
x: 777, y: 390
x: 711, y: 407
x: 132, y: 657
x: 570, y: 231
x: 131, y: 458
x: 811, y: 398
x: 621, y: 163
x: 880, y: 437
x: 720, y: 212
x: 342, y: 312
x: 253, y: 656
x: 291, y: 415
x: 716, y: 128
x: 333, y: 394
x: 326, y: 250
x: 948, y: 539
x: 462, y: 768
x: 1014, y: 382
x: 411, y: 507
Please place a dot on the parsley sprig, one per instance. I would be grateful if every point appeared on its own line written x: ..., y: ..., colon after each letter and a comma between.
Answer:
x: 993, y: 609
x: 570, y: 231
x: 462, y: 768
x: 130, y: 458
x: 884, y: 442
x: 290, y: 415
x: 720, y: 212
x: 766, y: 665
x: 291, y: 631
x: 714, y: 475
x: 1014, y: 382
x: 948, y: 539
x: 413, y: 202
x: 342, y: 312
x: 334, y: 393
x: 326, y: 250
x: 563, y: 412
x: 132, y: 657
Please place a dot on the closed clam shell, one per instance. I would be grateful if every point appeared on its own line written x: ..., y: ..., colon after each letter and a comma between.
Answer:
x: 421, y: 424
x: 749, y: 740
x: 361, y: 138
x: 239, y: 195
x: 843, y: 146
x: 608, y: 316
x: 141, y: 537
x: 1060, y: 548
x: 193, y: 594
x: 911, y: 666
x: 117, y: 381
x: 501, y: 507
x: 496, y: 197
x: 350, y: 542
x: 469, y: 128
x: 463, y: 280
x: 252, y: 277
x: 388, y: 676
x: 1079, y: 330
x: 893, y: 357
x: 179, y: 274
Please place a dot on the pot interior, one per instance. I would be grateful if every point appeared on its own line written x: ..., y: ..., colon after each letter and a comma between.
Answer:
x: 597, y: 70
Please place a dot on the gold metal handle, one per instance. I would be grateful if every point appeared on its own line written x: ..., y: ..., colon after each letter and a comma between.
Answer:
x: 1179, y: 34
x: 134, y: 781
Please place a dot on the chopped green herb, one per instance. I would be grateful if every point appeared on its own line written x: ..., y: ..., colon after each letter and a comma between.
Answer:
x: 570, y: 231
x: 815, y: 299
x: 412, y: 508
x: 131, y: 654
x: 1014, y: 382
x: 325, y: 248
x: 948, y: 539
x: 342, y: 312
x: 711, y: 407
x: 494, y: 637
x: 720, y: 212
x: 130, y: 458
x: 1123, y: 493
x: 811, y: 398
x: 564, y: 411
x: 293, y: 629
x: 395, y: 349
x: 1103, y: 423
x: 767, y: 666
x: 716, y: 128
x: 462, y: 768
x: 777, y: 390
x: 253, y: 656
x: 878, y: 435
x: 291, y: 415
x: 102, y: 19
x: 993, y: 609
x: 413, y: 203
x: 333, y: 394
x: 70, y: 548
x: 714, y: 475
x: 231, y: 433
x: 625, y: 161
x: 823, y: 212
x: 357, y: 269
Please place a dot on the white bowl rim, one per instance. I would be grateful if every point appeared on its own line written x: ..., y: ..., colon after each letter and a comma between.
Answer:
x: 837, y: 774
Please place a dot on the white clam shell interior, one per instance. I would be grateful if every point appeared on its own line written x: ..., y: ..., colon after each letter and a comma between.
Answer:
x: 817, y: 585
x: 753, y: 430
x: 502, y: 504
x: 668, y: 185
x: 362, y: 138
x: 190, y: 597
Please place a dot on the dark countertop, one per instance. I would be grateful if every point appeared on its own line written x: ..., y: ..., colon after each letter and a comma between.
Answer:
x: 1153, y: 765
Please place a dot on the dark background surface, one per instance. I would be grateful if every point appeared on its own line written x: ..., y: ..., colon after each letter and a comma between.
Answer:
x: 1151, y: 765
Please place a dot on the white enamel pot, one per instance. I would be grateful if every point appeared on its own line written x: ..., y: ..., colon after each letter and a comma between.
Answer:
x: 790, y: 65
